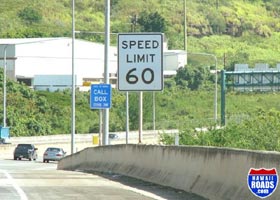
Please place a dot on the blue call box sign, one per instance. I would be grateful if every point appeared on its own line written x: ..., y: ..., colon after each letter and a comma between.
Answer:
x: 100, y: 96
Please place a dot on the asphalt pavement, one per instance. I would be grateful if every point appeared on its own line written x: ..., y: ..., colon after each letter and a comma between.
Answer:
x: 35, y: 180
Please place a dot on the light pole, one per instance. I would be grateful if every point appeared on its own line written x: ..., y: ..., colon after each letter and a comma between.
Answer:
x: 106, y: 69
x: 73, y: 114
x: 216, y: 82
x: 185, y: 26
x: 4, y: 86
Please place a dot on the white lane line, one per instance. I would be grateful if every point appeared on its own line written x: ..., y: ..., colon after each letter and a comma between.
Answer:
x: 13, y: 183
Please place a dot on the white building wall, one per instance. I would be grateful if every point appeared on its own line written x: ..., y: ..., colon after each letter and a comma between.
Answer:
x: 172, y: 60
x: 52, y: 82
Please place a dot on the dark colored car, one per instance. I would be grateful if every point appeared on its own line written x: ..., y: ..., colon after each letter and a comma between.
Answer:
x: 27, y: 151
x: 113, y: 136
x: 53, y: 154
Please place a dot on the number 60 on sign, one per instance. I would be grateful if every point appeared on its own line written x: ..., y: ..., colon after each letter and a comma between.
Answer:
x: 140, y: 62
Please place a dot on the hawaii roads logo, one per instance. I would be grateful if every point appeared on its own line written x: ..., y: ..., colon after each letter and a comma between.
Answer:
x: 262, y: 182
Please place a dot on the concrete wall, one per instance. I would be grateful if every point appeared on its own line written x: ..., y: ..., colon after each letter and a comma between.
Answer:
x: 82, y: 141
x: 214, y: 173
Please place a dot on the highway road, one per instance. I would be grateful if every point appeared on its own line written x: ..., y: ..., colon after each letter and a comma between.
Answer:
x: 35, y: 180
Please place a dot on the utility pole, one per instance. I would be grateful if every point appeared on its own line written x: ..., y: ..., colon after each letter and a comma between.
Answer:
x: 133, y: 23
x: 105, y: 135
x: 185, y: 26
x: 5, y: 87
x: 73, y: 126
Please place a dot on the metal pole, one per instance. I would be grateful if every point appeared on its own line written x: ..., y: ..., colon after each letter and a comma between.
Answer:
x: 216, y: 92
x: 140, y: 116
x: 4, y: 87
x: 73, y: 81
x: 100, y: 128
x: 106, y: 66
x: 185, y: 26
x: 223, y: 97
x: 154, y: 111
x: 127, y: 118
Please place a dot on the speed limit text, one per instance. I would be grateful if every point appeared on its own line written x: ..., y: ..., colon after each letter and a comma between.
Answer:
x: 140, y: 58
x: 140, y: 44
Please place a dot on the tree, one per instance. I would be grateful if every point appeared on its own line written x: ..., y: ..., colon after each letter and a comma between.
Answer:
x: 30, y: 15
x: 192, y: 77
x: 152, y: 22
x: 217, y: 22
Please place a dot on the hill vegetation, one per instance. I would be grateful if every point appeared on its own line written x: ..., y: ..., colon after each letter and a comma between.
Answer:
x: 252, y: 118
x: 235, y: 31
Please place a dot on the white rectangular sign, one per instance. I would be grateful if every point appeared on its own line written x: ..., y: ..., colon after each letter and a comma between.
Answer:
x: 140, y: 65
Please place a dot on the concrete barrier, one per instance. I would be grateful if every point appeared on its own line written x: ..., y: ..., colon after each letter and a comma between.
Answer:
x: 214, y: 173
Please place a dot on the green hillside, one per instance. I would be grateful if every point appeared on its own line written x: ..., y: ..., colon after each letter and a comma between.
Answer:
x: 236, y: 31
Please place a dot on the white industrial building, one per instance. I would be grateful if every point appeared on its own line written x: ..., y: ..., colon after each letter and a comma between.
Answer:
x: 46, y: 63
x: 173, y: 59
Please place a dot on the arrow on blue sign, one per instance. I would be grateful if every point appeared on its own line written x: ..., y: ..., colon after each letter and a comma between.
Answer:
x: 100, y: 96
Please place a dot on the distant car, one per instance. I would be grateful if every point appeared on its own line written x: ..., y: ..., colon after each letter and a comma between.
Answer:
x: 27, y: 151
x: 113, y: 136
x: 53, y: 154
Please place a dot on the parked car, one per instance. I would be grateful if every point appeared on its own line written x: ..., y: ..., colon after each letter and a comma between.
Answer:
x: 53, y: 154
x: 27, y: 151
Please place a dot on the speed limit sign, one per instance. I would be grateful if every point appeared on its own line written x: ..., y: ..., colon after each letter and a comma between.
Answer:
x: 140, y: 62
